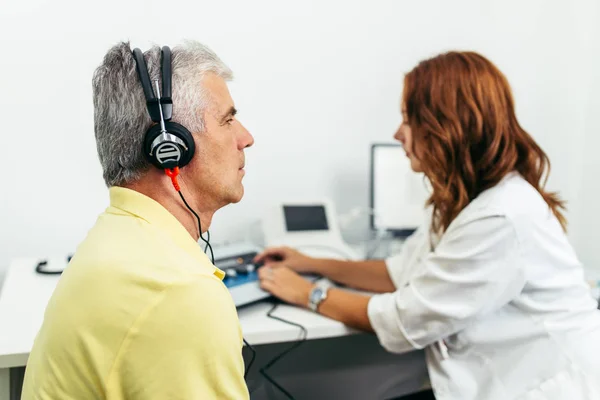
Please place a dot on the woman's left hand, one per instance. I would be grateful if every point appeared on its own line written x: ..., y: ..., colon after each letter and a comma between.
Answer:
x: 285, y: 284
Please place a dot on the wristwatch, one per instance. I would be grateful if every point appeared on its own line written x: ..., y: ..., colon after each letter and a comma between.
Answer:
x: 317, y: 294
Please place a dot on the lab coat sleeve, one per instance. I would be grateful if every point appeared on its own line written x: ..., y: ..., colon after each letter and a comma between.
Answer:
x: 474, y: 270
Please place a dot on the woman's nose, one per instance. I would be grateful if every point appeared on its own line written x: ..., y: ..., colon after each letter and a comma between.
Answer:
x: 399, y: 136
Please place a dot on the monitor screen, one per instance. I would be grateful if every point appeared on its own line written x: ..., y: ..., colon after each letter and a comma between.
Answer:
x: 305, y: 218
x: 398, y: 194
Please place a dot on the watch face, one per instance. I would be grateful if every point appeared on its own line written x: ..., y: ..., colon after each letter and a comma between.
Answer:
x: 316, y: 295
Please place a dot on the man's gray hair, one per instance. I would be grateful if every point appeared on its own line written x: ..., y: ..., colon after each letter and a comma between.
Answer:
x: 120, y: 114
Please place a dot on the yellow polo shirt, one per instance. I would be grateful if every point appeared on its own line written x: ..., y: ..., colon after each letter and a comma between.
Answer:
x: 139, y: 313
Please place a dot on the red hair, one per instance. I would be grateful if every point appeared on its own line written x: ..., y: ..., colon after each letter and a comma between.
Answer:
x: 461, y: 113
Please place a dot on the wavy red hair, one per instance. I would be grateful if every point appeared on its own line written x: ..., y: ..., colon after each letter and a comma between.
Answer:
x: 461, y: 113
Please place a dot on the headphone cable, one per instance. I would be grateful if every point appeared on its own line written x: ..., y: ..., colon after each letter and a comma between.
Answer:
x: 172, y: 173
x: 208, y: 240
x: 212, y: 257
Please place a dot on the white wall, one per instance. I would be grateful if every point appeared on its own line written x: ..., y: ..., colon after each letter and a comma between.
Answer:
x: 316, y: 82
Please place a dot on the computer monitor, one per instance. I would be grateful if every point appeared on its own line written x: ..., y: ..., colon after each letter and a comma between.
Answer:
x: 398, y: 194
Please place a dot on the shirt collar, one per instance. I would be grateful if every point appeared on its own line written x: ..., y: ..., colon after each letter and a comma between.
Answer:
x: 142, y: 206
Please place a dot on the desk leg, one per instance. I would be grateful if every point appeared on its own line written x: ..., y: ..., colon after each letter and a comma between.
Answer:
x: 11, y: 383
x: 4, y: 384
x: 17, y: 375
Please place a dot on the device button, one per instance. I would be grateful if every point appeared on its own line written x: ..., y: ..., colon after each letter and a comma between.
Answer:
x: 231, y: 272
x: 241, y: 270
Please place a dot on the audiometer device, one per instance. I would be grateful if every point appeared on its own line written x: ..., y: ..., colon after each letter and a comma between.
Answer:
x: 308, y: 226
x: 241, y: 276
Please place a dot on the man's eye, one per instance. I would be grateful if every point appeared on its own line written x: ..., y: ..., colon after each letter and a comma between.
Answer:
x: 230, y: 121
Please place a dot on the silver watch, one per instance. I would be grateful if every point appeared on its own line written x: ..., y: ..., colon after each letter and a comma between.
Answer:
x: 317, y: 295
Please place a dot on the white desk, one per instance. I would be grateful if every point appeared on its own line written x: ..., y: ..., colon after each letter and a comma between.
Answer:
x: 25, y: 294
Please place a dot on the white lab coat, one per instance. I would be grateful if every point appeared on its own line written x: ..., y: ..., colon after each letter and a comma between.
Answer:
x: 500, y: 304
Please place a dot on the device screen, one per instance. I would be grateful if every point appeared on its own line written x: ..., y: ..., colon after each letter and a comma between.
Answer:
x: 305, y: 218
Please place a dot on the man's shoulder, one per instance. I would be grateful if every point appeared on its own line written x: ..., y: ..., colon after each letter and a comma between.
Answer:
x: 129, y: 244
x: 114, y: 228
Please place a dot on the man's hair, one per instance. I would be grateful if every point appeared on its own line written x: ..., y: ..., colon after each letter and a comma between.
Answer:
x: 120, y: 115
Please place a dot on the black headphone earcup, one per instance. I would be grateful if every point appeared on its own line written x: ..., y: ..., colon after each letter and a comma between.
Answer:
x: 187, y: 138
x: 164, y: 155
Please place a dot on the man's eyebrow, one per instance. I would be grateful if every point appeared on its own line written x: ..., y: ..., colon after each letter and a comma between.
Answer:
x: 231, y: 112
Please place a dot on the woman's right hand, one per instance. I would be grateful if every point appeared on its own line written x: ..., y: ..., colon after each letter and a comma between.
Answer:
x: 277, y: 256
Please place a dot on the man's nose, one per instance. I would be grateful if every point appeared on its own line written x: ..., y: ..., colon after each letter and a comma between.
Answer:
x: 247, y: 140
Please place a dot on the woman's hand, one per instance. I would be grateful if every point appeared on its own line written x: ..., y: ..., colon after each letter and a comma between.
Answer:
x: 285, y: 284
x: 349, y: 308
x: 278, y: 256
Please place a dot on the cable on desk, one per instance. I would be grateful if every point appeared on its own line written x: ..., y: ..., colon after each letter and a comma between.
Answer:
x: 39, y: 268
x: 263, y: 370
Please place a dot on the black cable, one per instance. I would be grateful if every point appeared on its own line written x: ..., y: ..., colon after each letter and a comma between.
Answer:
x: 263, y: 370
x: 43, y: 263
x: 40, y: 270
x: 212, y: 256
x: 251, y: 359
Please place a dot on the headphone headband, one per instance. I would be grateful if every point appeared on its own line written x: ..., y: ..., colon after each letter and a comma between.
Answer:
x: 152, y: 102
x: 165, y: 97
x: 166, y: 144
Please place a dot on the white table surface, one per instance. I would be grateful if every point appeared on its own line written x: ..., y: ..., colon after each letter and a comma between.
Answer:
x: 25, y: 294
x: 22, y: 304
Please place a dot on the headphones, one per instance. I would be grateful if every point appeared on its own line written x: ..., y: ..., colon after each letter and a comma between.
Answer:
x: 167, y: 145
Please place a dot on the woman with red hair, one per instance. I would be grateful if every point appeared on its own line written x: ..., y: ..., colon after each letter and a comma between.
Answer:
x: 491, y: 286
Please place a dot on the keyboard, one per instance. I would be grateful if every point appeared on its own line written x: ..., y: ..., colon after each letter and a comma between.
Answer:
x: 241, y: 276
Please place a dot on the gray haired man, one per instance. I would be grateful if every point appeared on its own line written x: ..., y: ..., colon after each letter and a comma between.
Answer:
x: 141, y: 312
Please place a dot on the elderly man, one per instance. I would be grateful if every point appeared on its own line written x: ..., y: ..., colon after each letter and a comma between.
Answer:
x: 141, y: 312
